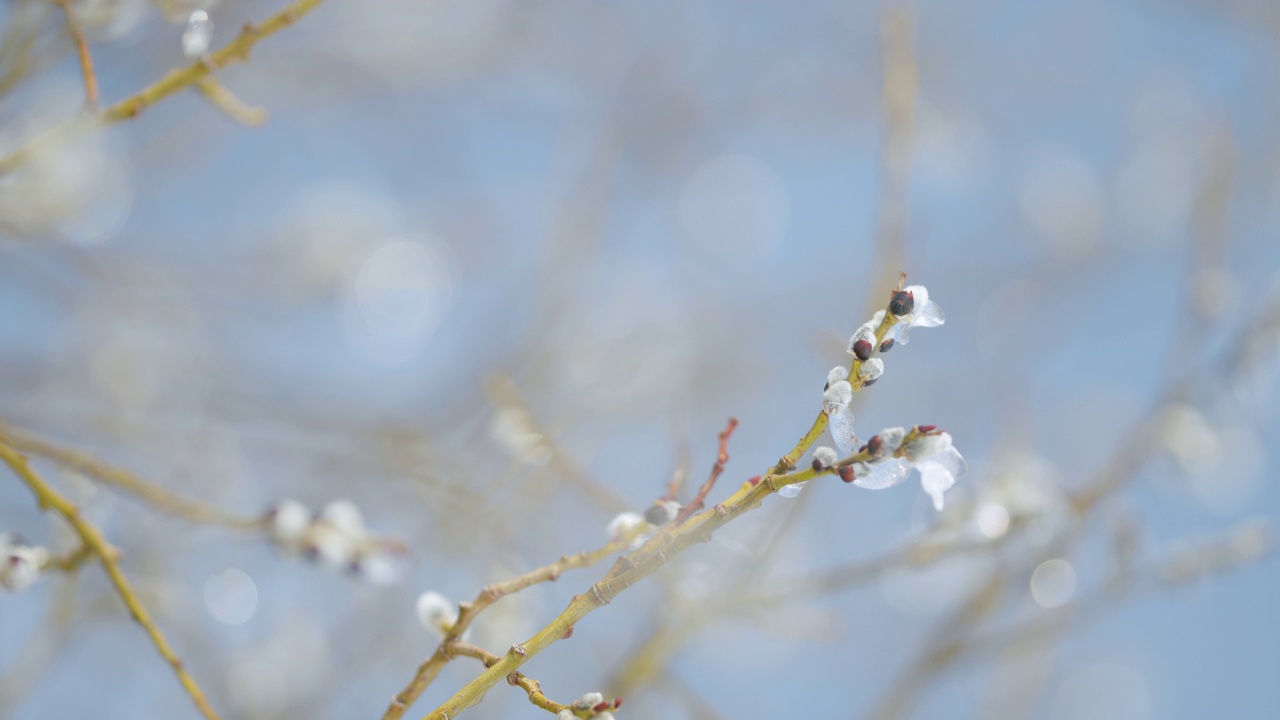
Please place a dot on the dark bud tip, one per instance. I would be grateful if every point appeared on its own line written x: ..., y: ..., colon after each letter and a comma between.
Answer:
x: 826, y: 387
x: 869, y: 383
x: 886, y: 345
x: 902, y: 303
x: 817, y: 466
x: 601, y: 707
x: 862, y: 349
x: 568, y: 633
x: 753, y: 481
x: 926, y: 428
x: 846, y: 473
x: 617, y: 703
x: 657, y: 515
x: 875, y: 445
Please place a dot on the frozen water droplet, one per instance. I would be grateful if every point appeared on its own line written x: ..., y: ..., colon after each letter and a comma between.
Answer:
x: 929, y: 316
x: 840, y: 423
x: 885, y: 474
x: 792, y: 490
x: 198, y: 35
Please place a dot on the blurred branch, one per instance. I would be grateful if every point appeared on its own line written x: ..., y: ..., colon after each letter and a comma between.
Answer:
x: 227, y: 102
x: 48, y: 498
x: 150, y: 493
x: 175, y: 80
x: 82, y: 51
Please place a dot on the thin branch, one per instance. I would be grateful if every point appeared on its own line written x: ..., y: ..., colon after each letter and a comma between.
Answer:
x: 173, y: 81
x: 226, y: 101
x: 150, y: 493
x: 722, y: 457
x: 48, y: 498
x: 82, y: 50
x: 467, y: 612
x: 531, y: 687
x: 626, y: 572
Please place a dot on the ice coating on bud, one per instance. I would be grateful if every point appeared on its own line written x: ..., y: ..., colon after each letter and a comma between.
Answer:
x: 884, y: 474
x: 924, y: 313
x: 840, y: 424
x: 623, y: 524
x: 837, y: 374
x: 839, y: 394
x: 926, y: 445
x: 824, y: 457
x: 871, y: 370
x: 198, y: 35
x: 290, y: 522
x: 940, y: 472
x: 566, y: 714
x: 791, y: 490
x: 436, y: 612
x: 863, y: 340
x: 588, y: 701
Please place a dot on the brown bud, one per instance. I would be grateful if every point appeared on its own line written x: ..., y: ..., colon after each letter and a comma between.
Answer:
x: 903, y: 303
x: 846, y: 473
x: 926, y: 429
x: 862, y: 349
x: 818, y: 466
x: 875, y: 445
x: 886, y: 345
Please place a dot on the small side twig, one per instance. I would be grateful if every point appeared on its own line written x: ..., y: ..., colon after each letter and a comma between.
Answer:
x: 48, y: 498
x: 532, y: 687
x: 226, y: 101
x: 722, y: 457
x: 82, y: 50
x: 430, y: 668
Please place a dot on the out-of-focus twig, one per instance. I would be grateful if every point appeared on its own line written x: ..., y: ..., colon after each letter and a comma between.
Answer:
x: 175, y: 80
x: 82, y: 52
x: 226, y: 101
x: 108, y: 556
x: 150, y: 493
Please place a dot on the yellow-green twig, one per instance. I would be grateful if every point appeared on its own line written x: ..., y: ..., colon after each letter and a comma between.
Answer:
x: 50, y: 499
x: 226, y: 101
x: 431, y: 667
x: 627, y: 572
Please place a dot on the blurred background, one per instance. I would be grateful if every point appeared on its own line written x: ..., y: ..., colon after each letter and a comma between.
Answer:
x: 495, y: 271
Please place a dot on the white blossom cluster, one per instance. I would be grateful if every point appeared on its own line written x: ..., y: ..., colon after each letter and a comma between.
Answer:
x: 896, y: 452
x: 337, y: 537
x: 593, y: 703
x: 20, y: 563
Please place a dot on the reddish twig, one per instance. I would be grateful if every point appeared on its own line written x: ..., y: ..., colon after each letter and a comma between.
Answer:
x: 723, y: 457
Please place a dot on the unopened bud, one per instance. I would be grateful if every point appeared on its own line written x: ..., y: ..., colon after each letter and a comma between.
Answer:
x: 903, y: 302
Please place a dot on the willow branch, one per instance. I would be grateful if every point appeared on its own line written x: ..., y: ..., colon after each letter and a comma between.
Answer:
x: 626, y: 572
x: 173, y: 81
x: 82, y: 51
x: 467, y: 612
x: 148, y: 492
x: 50, y: 499
x: 222, y: 98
